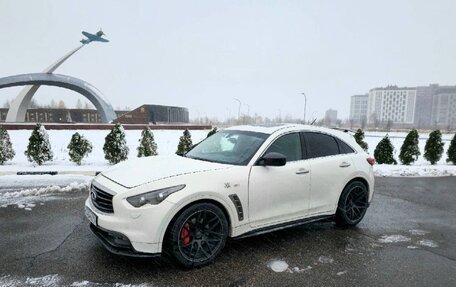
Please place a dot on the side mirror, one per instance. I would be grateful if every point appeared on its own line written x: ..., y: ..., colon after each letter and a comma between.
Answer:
x: 273, y: 159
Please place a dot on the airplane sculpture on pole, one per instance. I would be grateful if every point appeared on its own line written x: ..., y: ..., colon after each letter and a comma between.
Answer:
x: 18, y: 108
x: 93, y: 37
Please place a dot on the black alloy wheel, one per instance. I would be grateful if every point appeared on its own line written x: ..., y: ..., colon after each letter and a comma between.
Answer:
x: 198, y: 235
x: 353, y: 204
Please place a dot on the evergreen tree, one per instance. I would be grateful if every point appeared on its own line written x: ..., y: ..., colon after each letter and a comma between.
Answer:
x: 452, y: 151
x: 433, y: 149
x: 359, y: 137
x: 147, y: 145
x: 409, y: 149
x: 213, y: 131
x: 39, y: 148
x: 185, y: 143
x: 384, y: 152
x: 115, y: 147
x: 79, y: 148
x: 6, y: 147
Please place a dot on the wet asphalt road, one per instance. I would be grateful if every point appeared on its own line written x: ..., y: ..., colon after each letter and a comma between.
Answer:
x: 54, y: 238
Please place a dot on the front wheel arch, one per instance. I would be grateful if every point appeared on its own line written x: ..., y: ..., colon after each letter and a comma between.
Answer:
x: 186, y: 206
x: 169, y: 241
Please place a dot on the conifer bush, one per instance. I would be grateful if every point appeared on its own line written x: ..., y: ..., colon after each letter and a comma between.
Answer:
x: 211, y: 132
x: 452, y: 151
x: 147, y: 145
x: 409, y: 149
x: 433, y: 149
x: 6, y: 147
x: 115, y: 147
x: 39, y: 148
x: 79, y: 148
x: 384, y: 152
x: 185, y: 143
x: 359, y: 137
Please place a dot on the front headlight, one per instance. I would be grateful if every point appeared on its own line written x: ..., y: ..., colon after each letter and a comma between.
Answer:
x: 153, y: 197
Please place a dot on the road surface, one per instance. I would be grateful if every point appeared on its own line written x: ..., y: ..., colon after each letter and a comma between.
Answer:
x: 408, y: 238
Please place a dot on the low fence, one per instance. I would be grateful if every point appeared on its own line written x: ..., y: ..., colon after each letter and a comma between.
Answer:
x: 50, y: 126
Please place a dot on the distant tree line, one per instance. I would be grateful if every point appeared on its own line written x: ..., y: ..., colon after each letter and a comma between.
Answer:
x: 115, y: 148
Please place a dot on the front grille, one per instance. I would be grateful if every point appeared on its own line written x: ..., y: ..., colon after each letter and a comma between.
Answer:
x: 101, y: 200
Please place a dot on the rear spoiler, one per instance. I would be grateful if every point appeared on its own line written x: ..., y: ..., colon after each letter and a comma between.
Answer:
x: 348, y: 131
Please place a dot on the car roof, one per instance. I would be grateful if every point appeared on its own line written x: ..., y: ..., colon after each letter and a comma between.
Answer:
x: 283, y: 128
x: 270, y: 129
x: 265, y: 129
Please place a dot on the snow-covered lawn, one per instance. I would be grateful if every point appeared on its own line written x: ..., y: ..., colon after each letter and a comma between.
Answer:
x: 167, y: 141
x: 421, y: 167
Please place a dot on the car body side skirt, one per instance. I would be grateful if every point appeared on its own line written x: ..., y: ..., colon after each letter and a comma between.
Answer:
x: 284, y: 225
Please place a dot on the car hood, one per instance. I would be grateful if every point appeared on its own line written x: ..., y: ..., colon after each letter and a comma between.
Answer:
x: 135, y: 172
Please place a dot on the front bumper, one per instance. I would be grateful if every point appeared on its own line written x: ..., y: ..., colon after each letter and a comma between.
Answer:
x: 118, y: 243
x: 128, y: 230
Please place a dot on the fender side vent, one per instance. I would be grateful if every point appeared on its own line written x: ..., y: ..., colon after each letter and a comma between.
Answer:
x: 237, y: 203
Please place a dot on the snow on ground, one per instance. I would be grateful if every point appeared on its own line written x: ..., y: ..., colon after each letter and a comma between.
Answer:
x: 428, y: 243
x: 394, y: 239
x: 166, y: 140
x: 55, y: 280
x: 419, y: 240
x: 278, y: 265
x: 421, y: 167
x: 16, y: 189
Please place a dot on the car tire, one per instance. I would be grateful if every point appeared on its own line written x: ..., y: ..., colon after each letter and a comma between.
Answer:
x: 353, y: 204
x: 198, y: 235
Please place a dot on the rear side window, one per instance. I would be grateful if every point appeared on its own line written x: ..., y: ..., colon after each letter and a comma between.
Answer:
x: 344, y: 148
x: 320, y: 145
x: 288, y: 145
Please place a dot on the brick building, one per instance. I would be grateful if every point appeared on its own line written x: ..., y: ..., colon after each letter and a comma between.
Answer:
x: 145, y: 114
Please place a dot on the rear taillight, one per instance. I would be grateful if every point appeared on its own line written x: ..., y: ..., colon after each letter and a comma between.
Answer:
x: 371, y: 160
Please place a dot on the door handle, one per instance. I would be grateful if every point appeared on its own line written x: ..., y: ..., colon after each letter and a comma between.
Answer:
x: 302, y: 171
x: 344, y: 164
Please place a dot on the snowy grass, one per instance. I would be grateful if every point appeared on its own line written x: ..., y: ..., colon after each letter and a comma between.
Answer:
x: 421, y: 167
x: 167, y: 141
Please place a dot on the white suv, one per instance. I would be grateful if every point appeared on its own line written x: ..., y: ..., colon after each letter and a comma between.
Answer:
x: 239, y: 182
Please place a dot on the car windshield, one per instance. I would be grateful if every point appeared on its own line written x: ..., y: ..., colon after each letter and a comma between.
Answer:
x: 230, y: 147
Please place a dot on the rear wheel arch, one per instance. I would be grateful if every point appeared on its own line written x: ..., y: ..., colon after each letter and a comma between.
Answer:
x: 350, y: 212
x: 360, y: 179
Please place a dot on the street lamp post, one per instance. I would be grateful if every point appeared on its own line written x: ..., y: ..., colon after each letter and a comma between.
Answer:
x: 305, y: 105
x: 239, y: 108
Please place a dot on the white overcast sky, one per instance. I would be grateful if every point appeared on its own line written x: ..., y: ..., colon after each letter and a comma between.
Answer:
x: 202, y: 54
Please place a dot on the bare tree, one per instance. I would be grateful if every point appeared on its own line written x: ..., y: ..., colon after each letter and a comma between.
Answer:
x: 389, y: 124
x: 363, y: 122
x: 79, y: 104
x: 87, y: 106
x: 33, y: 104
x: 61, y: 105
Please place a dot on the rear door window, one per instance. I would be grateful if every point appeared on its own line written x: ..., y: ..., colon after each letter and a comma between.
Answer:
x: 320, y: 145
x: 344, y: 148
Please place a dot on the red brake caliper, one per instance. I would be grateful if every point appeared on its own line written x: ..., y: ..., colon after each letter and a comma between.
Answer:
x: 185, y: 234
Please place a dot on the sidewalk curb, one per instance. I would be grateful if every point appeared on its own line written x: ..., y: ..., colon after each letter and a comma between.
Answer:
x: 86, y: 173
